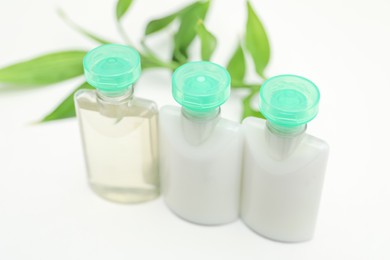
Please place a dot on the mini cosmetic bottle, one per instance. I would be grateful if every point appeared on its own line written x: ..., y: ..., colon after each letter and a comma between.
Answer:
x: 118, y: 130
x: 283, y: 167
x: 201, y: 152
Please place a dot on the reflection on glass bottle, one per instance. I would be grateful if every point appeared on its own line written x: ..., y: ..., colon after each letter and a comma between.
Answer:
x: 284, y: 167
x: 119, y: 131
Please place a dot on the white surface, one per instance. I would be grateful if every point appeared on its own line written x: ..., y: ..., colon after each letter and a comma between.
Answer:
x: 48, y: 212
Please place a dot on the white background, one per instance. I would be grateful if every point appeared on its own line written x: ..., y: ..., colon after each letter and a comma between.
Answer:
x: 48, y: 212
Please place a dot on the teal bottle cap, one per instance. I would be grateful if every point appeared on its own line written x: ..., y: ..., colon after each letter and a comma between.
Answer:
x: 201, y: 86
x: 112, y: 67
x: 289, y: 100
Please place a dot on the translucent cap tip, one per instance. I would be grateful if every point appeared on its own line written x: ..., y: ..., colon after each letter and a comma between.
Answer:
x: 112, y: 67
x: 201, y: 86
x: 289, y: 100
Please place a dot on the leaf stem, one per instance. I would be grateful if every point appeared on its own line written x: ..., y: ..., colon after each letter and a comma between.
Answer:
x: 80, y: 29
x: 160, y: 63
x: 156, y: 59
x: 123, y: 33
x: 239, y: 84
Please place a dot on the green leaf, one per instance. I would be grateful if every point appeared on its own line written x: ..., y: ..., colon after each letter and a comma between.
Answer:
x: 66, y: 109
x: 159, y: 24
x: 121, y: 8
x: 247, y: 109
x: 237, y: 65
x: 46, y: 69
x: 256, y: 41
x: 81, y: 30
x: 187, y: 29
x: 207, y: 40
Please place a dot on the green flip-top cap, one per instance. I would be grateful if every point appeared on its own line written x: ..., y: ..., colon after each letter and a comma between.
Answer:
x: 112, y: 67
x: 289, y: 100
x: 201, y: 86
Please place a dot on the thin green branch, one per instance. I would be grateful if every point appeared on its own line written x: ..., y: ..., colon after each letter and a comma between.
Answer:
x: 80, y: 29
x: 239, y: 84
x: 123, y: 33
x: 156, y: 59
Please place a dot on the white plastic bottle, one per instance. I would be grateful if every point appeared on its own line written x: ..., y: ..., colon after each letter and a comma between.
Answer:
x: 200, y: 152
x: 284, y: 167
x: 119, y: 131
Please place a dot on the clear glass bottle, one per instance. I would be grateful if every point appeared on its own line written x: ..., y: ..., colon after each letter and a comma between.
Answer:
x: 283, y: 168
x: 201, y: 153
x: 119, y: 131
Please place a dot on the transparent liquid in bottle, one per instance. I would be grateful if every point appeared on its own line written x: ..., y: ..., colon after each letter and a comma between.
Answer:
x: 120, y: 147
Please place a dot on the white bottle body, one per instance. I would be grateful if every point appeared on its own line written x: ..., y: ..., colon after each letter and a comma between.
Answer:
x: 281, y: 195
x: 200, y: 182
x: 120, y: 146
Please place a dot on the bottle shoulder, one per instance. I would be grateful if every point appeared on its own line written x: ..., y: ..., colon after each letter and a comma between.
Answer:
x: 145, y: 103
x: 316, y: 142
x: 254, y: 123
x: 87, y: 94
x: 257, y: 127
x: 170, y: 114
x: 225, y: 138
x: 88, y: 100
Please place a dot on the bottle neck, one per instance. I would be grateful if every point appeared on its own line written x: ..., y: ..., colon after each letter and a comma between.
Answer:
x: 282, y: 141
x: 198, y: 126
x: 115, y: 97
x: 115, y: 104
